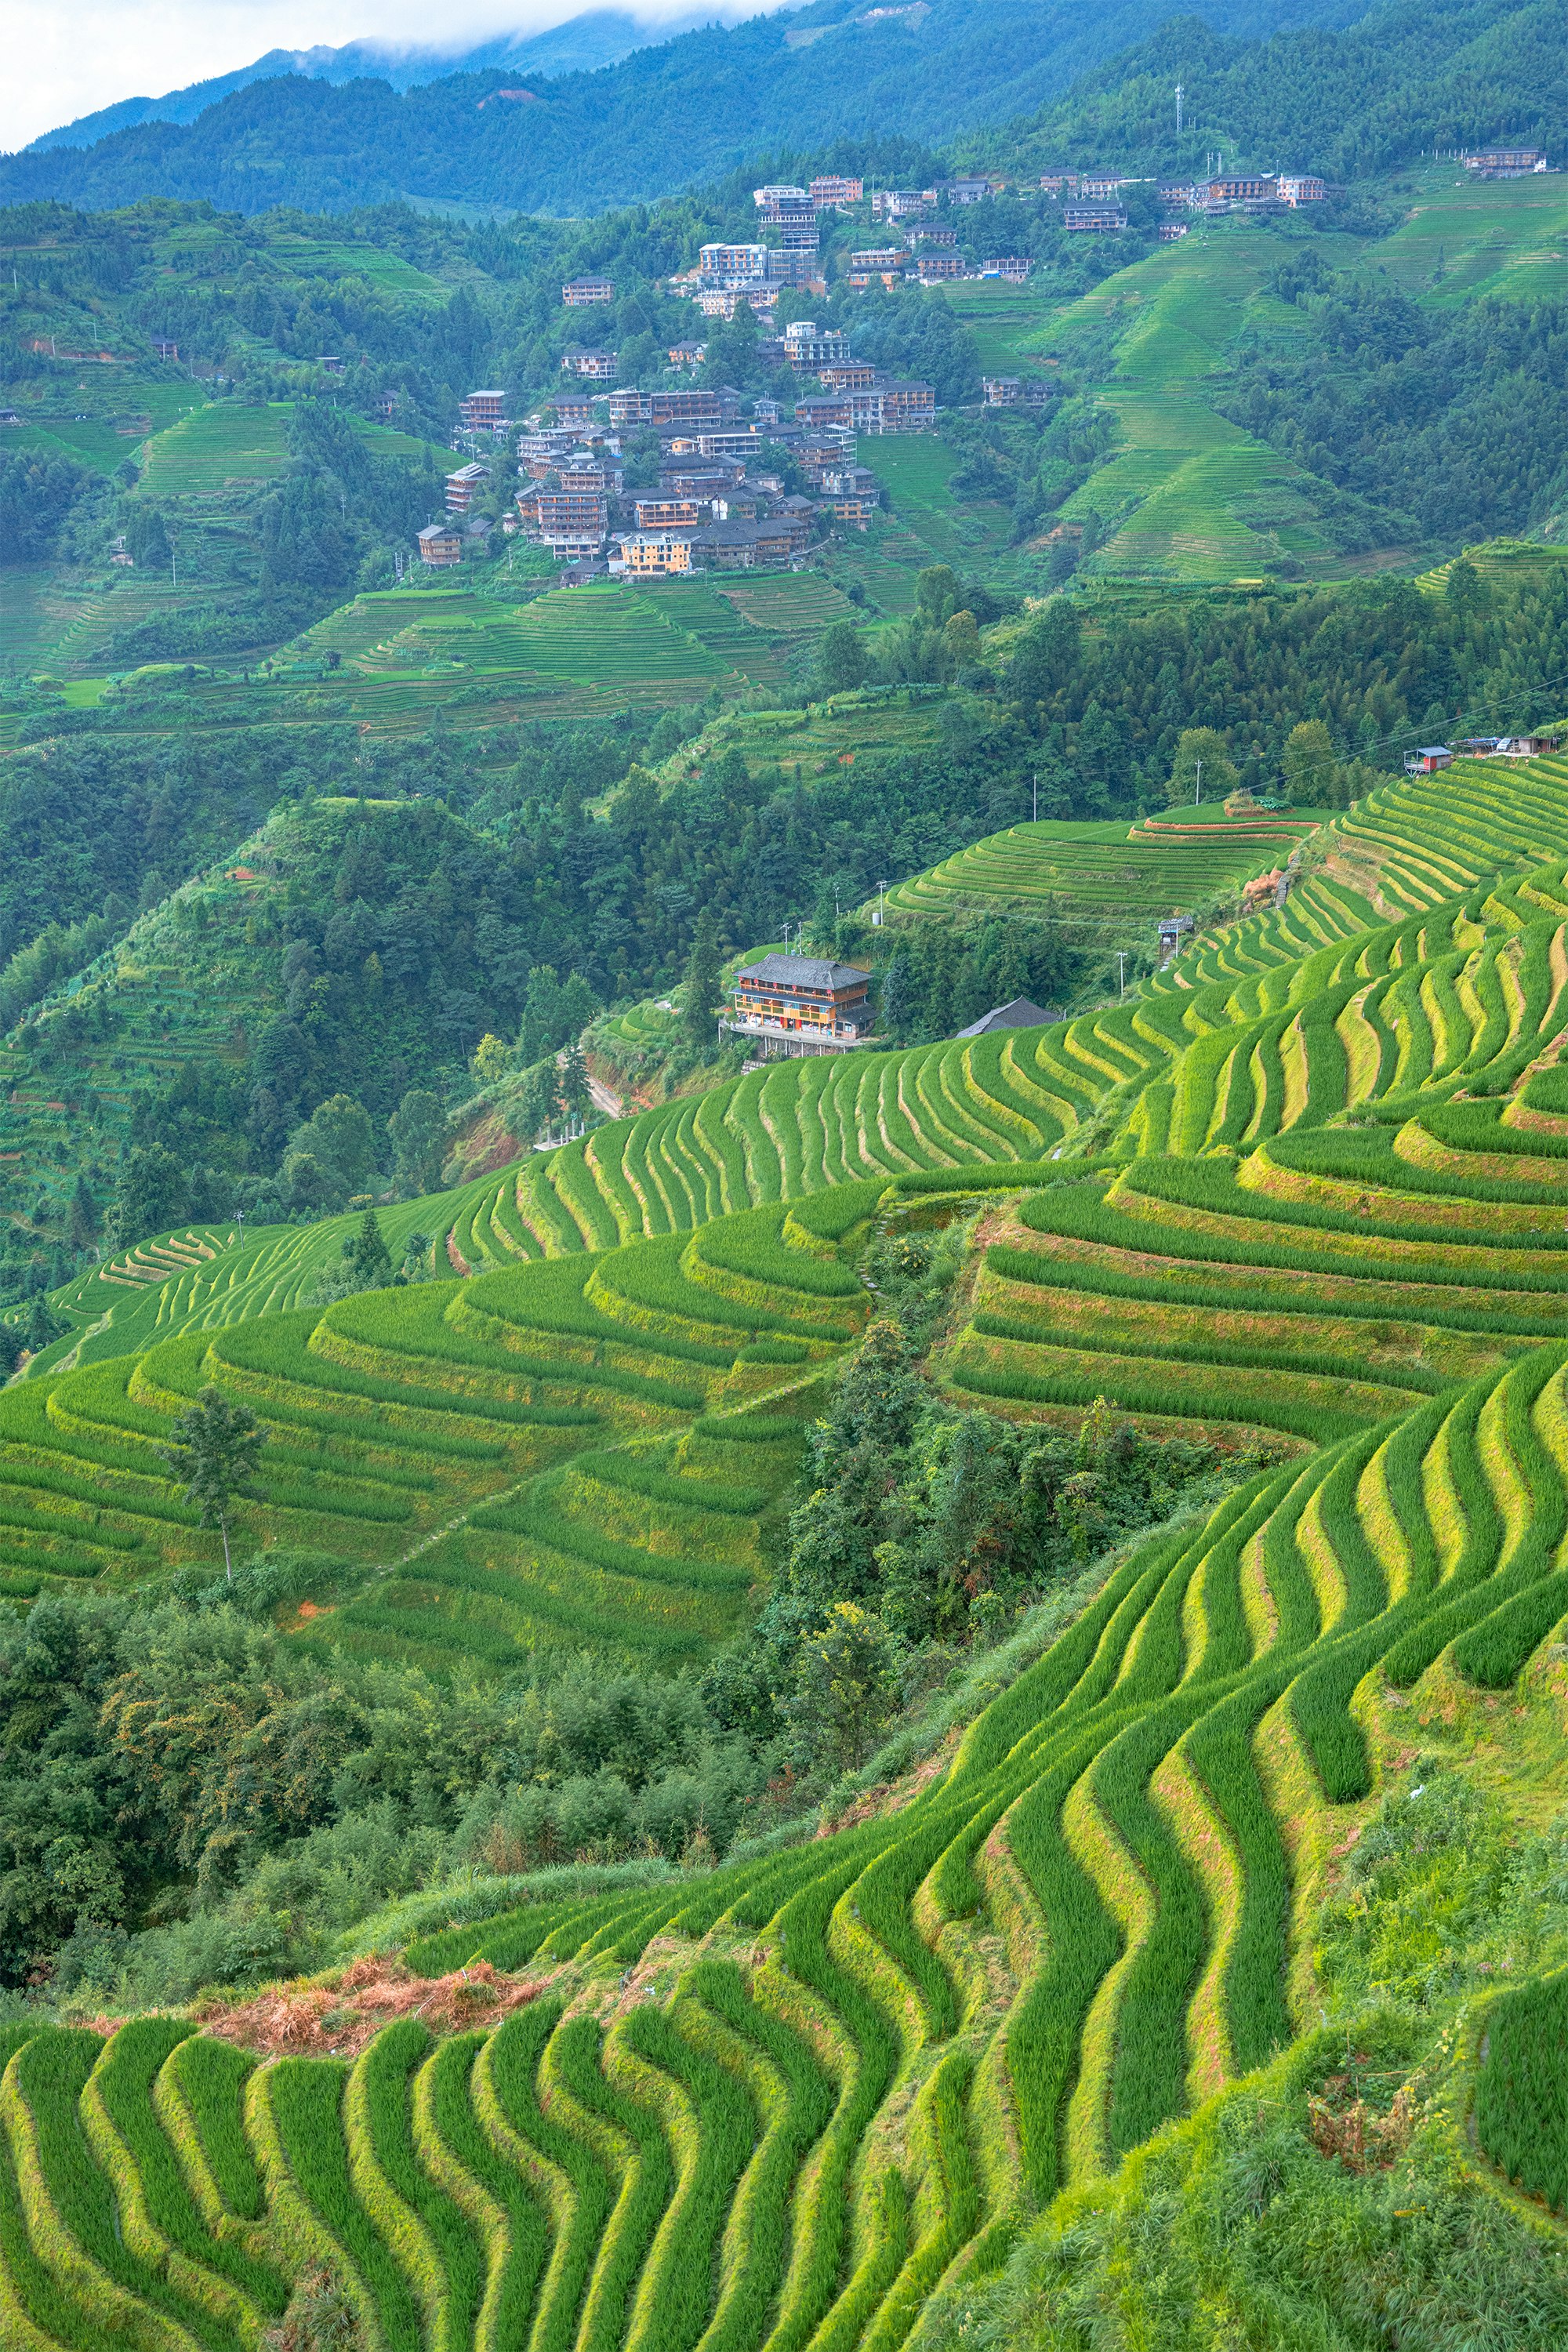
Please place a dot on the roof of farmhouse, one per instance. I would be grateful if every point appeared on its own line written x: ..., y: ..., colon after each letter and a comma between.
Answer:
x: 800, y: 972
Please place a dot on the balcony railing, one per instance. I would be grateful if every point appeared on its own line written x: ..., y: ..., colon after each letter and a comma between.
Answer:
x: 759, y: 1025
x: 774, y: 1038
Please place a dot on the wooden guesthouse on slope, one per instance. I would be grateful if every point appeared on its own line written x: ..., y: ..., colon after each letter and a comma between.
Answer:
x: 788, y: 1005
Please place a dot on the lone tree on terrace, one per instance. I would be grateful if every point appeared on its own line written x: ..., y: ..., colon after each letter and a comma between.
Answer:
x: 217, y: 1452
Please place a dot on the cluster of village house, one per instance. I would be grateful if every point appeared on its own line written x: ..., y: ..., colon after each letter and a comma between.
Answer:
x: 719, y: 503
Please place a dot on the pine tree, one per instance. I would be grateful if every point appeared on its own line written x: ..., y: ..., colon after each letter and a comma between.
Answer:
x: 41, y: 1324
x: 575, y: 1100
x: 702, y: 993
x: 536, y: 1101
x: 368, y: 1255
x: 81, y: 1223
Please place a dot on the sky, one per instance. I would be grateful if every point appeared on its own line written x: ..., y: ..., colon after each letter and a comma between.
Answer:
x: 68, y: 57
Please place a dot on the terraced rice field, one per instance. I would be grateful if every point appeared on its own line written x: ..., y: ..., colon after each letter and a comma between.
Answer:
x: 224, y: 448
x: 61, y: 632
x: 1311, y: 1186
x: 1464, y: 238
x: 1005, y: 321
x: 579, y: 1451
x: 26, y: 628
x: 900, y: 718
x: 672, y: 641
x: 1192, y: 496
x: 161, y: 1023
x: 788, y: 2101
x: 1091, y: 872
x: 790, y: 604
x: 1502, y: 560
x: 886, y: 560
x: 1414, y: 842
x: 1225, y: 1045
x: 916, y: 467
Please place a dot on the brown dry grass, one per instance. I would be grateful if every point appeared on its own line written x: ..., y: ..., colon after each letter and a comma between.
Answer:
x: 317, y: 2018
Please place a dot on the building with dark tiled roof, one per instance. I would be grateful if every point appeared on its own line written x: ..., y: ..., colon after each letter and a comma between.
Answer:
x: 786, y: 1004
x: 1020, y: 1015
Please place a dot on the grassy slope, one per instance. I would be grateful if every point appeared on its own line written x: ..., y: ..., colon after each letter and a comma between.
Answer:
x: 1191, y: 496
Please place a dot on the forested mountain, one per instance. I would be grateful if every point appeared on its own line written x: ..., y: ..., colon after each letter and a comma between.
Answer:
x: 1402, y: 81
x: 583, y: 44
x: 661, y: 118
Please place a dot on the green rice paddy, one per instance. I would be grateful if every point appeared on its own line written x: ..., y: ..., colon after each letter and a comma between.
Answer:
x: 1468, y: 237
x: 1165, y: 865
x: 1304, y: 1192
x: 224, y: 448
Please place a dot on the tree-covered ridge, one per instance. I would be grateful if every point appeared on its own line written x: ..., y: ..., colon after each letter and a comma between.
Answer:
x: 1350, y: 93
x: 1349, y: 98
x: 666, y: 115
x: 1448, y: 422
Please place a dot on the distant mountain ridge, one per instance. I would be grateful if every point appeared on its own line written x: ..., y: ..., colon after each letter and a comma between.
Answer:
x: 601, y: 36
x: 661, y: 118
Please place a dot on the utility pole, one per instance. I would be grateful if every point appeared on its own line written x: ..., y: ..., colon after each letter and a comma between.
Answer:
x: 1036, y: 798
x: 1178, y: 109
x: 1198, y: 788
x: 882, y: 904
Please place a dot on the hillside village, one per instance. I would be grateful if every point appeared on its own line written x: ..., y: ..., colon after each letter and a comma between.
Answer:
x: 720, y: 499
